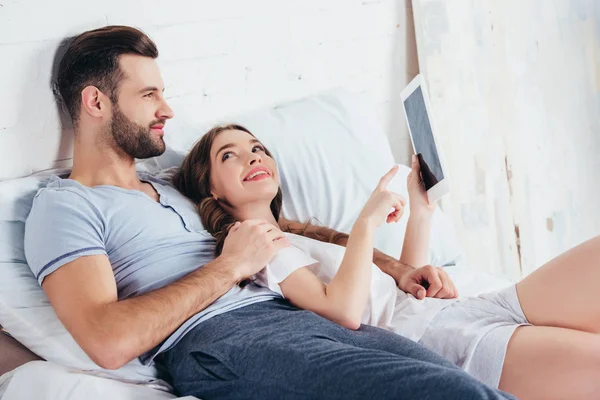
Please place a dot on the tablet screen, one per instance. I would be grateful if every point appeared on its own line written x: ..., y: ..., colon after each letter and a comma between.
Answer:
x: 420, y: 129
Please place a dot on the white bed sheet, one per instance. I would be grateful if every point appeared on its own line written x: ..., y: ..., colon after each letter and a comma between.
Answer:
x: 43, y: 380
x: 471, y: 282
x: 5, y: 381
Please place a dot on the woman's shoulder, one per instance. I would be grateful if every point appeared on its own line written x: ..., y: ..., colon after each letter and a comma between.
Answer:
x: 315, y: 248
x: 303, y: 240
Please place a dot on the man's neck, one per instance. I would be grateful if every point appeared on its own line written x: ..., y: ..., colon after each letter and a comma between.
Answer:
x: 102, y: 165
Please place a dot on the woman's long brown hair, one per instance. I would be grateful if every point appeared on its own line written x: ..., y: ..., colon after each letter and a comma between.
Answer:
x: 193, y: 181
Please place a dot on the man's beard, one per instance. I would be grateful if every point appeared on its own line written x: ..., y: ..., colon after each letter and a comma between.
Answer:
x: 134, y: 139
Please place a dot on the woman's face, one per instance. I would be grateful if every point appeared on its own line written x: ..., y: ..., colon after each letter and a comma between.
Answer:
x: 241, y: 172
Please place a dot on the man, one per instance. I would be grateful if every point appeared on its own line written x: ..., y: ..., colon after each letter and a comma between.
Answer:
x: 130, y: 271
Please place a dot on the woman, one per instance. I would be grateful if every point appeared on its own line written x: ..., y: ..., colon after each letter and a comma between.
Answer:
x: 537, y: 339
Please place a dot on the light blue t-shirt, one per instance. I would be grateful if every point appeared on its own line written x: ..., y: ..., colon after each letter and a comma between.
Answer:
x: 149, y: 244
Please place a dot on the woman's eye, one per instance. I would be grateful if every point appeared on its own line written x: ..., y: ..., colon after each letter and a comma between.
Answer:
x: 257, y: 148
x: 226, y: 155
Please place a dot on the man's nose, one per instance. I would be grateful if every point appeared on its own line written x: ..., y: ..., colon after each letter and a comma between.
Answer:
x: 165, y: 111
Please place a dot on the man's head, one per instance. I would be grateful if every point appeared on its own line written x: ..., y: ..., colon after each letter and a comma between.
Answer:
x: 110, y: 83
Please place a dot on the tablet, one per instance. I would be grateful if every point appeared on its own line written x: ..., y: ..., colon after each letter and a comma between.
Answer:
x: 417, y: 110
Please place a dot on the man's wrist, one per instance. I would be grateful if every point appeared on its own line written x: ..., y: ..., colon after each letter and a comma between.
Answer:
x: 391, y: 266
x: 402, y: 269
x: 230, y: 266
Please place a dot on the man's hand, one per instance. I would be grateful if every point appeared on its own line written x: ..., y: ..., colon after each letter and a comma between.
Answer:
x: 253, y: 243
x: 428, y: 281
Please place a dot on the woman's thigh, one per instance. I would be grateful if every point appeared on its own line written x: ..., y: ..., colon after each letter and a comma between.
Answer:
x: 564, y: 291
x: 549, y: 363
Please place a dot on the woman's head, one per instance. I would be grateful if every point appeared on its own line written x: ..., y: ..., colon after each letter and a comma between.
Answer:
x: 227, y: 173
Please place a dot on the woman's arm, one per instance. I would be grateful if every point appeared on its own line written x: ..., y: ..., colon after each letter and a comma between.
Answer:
x: 345, y: 298
x: 418, y: 230
x: 415, y: 250
x: 411, y: 275
x: 425, y: 280
x: 389, y: 265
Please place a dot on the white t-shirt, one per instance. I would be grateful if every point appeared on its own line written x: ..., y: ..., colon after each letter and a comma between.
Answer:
x: 286, y: 261
x: 388, y: 307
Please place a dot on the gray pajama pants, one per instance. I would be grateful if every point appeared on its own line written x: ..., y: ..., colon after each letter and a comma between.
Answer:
x: 272, y: 350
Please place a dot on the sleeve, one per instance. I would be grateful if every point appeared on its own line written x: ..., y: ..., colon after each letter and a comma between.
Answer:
x: 286, y: 261
x: 61, y: 227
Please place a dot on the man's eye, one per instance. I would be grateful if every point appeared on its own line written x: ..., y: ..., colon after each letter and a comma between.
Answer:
x: 151, y: 94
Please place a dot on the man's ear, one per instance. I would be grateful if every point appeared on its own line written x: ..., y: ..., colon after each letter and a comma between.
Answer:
x: 93, y: 101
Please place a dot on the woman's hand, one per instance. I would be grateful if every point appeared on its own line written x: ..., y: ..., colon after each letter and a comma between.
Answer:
x: 383, y: 205
x: 417, y: 195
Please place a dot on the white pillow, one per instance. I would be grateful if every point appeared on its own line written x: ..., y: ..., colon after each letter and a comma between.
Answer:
x: 25, y: 311
x: 331, y: 151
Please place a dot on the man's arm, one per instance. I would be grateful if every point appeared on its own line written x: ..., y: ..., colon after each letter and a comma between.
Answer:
x: 387, y: 264
x: 112, y: 333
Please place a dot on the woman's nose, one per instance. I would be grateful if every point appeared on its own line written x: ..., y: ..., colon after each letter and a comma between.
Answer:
x: 255, y: 158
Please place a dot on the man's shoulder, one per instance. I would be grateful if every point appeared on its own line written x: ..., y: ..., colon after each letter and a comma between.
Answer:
x: 62, y: 195
x: 57, y: 189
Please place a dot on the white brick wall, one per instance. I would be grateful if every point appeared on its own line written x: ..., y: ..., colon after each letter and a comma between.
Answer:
x: 218, y: 58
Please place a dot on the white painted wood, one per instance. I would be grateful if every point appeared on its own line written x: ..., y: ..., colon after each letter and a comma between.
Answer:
x: 515, y: 91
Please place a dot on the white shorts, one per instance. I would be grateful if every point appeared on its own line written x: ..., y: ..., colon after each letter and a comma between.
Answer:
x: 473, y: 332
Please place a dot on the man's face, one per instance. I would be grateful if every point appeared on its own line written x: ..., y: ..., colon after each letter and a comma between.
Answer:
x: 140, y: 113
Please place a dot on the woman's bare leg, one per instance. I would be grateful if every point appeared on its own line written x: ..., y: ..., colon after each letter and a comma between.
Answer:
x: 565, y: 292
x: 552, y: 363
x: 559, y: 357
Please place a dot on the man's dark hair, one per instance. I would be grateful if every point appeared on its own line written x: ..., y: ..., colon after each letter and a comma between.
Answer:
x: 92, y: 59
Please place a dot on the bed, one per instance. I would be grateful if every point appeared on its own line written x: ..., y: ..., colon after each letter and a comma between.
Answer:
x: 330, y: 151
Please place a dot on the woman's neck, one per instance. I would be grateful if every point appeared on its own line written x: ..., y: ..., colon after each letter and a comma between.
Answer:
x: 257, y: 211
